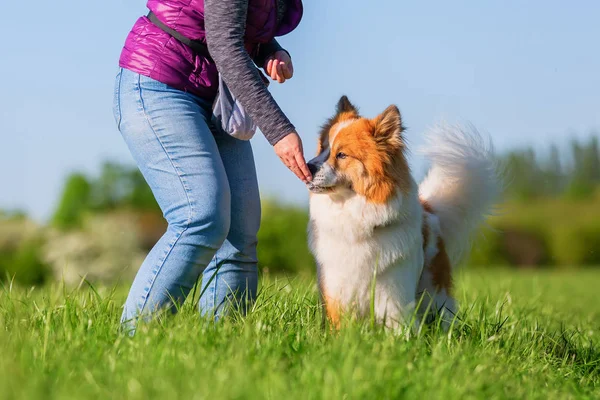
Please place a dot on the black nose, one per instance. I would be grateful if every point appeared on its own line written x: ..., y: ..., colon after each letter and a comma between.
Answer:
x: 312, y: 167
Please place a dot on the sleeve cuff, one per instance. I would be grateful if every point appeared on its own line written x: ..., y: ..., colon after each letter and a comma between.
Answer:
x: 265, y: 51
x: 276, y: 136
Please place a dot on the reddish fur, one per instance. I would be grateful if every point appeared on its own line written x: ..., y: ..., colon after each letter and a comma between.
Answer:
x: 425, y: 233
x: 426, y: 206
x: 331, y: 306
x: 440, y: 268
x: 345, y: 112
x: 333, y: 310
x: 375, y: 166
x: 441, y: 271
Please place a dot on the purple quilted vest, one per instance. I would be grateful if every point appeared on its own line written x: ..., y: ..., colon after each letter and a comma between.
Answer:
x: 151, y: 52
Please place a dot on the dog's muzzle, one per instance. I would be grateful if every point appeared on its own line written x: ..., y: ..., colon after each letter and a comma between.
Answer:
x: 324, y: 176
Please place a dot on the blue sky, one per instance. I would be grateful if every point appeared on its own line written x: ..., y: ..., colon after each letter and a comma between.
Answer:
x: 525, y: 72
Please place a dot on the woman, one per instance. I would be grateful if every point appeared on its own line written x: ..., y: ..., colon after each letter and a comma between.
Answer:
x: 205, y: 183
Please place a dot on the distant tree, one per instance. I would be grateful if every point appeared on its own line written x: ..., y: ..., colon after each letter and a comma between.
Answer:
x: 530, y: 177
x: 584, y: 175
x: 140, y: 196
x: 13, y: 214
x: 525, y: 181
x: 110, y: 187
x: 593, y: 160
x: 74, y: 202
x: 553, y: 172
x: 121, y: 186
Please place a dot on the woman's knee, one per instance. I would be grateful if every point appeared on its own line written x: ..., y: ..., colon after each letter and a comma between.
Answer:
x: 204, y: 224
x: 211, y: 230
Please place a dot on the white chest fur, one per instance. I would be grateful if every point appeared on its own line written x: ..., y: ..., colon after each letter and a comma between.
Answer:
x: 351, y: 237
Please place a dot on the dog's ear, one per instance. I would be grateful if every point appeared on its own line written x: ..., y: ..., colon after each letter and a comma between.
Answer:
x: 388, y: 126
x: 344, y: 110
x: 345, y: 106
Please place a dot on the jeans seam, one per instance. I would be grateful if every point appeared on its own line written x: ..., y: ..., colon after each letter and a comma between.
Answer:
x: 185, y: 190
x: 119, y: 110
x: 215, y: 285
x: 161, y: 263
x: 173, y: 164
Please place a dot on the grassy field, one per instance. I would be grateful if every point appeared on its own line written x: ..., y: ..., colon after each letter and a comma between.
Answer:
x: 521, y: 335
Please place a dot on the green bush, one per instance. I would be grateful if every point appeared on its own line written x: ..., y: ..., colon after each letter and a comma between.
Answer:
x: 556, y: 232
x: 21, y: 242
x: 282, y: 239
x: 511, y: 245
x: 487, y: 249
x: 25, y: 264
x: 576, y: 245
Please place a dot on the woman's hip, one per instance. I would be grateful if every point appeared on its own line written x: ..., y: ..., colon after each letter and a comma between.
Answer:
x: 194, y: 175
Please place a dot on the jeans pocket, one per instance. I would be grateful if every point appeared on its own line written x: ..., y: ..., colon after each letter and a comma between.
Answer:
x: 117, y: 99
x: 147, y: 83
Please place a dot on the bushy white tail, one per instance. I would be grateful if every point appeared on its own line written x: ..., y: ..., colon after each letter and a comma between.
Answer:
x: 462, y: 184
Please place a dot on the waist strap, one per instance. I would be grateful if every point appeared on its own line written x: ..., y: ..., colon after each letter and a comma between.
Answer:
x: 196, y: 45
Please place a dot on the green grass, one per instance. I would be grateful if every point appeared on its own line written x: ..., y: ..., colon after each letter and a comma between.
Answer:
x: 521, y: 335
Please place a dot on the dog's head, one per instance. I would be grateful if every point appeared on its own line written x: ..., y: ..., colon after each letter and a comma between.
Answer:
x: 360, y: 155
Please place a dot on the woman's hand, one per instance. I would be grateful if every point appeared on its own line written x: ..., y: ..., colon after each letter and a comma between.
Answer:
x: 279, y: 66
x: 289, y: 150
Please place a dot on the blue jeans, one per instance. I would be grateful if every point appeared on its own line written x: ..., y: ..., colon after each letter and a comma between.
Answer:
x: 206, y: 186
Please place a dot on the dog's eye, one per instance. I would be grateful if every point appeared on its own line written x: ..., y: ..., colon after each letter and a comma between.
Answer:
x: 340, y: 155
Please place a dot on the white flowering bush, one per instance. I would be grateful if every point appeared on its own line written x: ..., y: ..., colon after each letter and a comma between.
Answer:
x: 106, y: 249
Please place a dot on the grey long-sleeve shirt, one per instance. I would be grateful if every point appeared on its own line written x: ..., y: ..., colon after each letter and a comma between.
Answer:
x: 225, y: 23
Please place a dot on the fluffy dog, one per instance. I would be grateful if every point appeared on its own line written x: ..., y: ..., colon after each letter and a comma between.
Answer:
x: 378, y: 236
